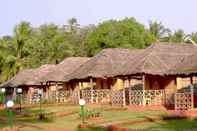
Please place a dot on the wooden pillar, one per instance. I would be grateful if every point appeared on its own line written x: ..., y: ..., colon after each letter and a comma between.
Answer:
x: 175, y: 100
x: 82, y: 87
x: 80, y: 84
x: 191, y: 79
x: 91, y: 89
x: 124, y: 99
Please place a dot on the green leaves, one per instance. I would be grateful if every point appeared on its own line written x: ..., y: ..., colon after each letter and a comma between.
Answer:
x: 126, y: 33
x: 30, y: 47
x: 178, y: 36
x: 158, y: 30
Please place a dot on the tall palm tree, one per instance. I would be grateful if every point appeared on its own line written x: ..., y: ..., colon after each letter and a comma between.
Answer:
x: 178, y: 36
x: 12, y: 51
x: 194, y: 37
x: 72, y: 25
x: 158, y: 30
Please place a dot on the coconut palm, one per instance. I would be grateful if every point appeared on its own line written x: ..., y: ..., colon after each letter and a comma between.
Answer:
x: 158, y: 30
x: 12, y: 51
x: 178, y: 36
x: 194, y: 37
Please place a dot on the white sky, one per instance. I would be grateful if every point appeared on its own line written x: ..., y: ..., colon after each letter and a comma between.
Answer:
x: 173, y: 13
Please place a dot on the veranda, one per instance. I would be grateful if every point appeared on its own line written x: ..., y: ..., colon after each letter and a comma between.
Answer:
x: 128, y: 95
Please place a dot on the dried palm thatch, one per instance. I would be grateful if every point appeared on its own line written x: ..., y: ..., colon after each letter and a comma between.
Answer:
x: 161, y: 59
x: 64, y: 68
x: 105, y: 64
x: 28, y: 77
x: 186, y: 67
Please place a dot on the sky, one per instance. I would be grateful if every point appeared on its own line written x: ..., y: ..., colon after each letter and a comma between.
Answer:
x: 174, y: 14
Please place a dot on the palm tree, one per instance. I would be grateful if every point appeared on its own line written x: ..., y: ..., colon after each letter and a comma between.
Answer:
x: 194, y: 37
x: 178, y: 36
x: 72, y: 25
x: 158, y: 30
x: 12, y: 51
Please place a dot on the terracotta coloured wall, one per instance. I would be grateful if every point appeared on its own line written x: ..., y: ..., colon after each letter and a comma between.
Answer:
x: 158, y: 82
x: 75, y: 85
x: 117, y: 84
x: 99, y: 83
x: 104, y: 83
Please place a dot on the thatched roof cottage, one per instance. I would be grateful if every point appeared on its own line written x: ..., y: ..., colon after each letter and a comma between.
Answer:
x: 102, y: 68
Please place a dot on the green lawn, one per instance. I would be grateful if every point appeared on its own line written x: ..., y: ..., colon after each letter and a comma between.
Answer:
x: 168, y: 125
x: 107, y: 117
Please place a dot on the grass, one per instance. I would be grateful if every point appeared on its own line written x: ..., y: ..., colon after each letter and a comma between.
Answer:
x: 107, y: 117
x: 62, y: 108
x: 1, y: 125
x: 167, y: 125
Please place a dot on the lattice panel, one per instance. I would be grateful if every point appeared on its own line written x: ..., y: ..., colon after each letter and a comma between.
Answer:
x: 146, y: 97
x: 63, y: 96
x: 96, y: 96
x: 117, y: 98
x: 101, y: 96
x: 154, y: 97
x: 136, y: 97
x: 183, y: 101
x: 87, y: 94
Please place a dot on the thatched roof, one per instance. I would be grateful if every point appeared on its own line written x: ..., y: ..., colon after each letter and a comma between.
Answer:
x: 160, y: 59
x: 64, y: 68
x: 187, y: 66
x: 105, y: 64
x: 28, y: 76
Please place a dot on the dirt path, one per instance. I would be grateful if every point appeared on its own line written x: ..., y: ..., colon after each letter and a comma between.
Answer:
x: 34, y: 126
x: 129, y: 121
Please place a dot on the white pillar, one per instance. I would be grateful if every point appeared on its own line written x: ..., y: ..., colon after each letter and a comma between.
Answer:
x: 124, y: 99
x: 91, y: 86
x: 129, y: 91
